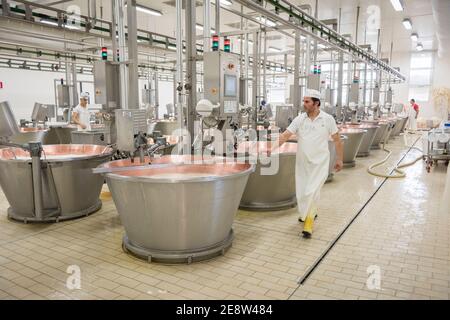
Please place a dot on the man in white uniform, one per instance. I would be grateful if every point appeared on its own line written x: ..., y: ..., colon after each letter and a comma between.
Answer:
x: 313, y: 129
x: 81, y: 115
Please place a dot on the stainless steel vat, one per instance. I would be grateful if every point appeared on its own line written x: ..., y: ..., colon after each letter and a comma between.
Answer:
x: 270, y: 192
x: 166, y: 127
x: 403, y: 126
x: 69, y: 188
x: 398, y: 123
x: 352, y: 144
x: 96, y: 137
x: 171, y: 140
x: 371, y: 131
x: 178, y: 213
x: 60, y: 133
x: 381, y: 132
x: 8, y: 124
x: 29, y: 134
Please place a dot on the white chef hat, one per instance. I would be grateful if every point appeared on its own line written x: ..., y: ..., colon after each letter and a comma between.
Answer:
x: 311, y: 93
x: 84, y: 95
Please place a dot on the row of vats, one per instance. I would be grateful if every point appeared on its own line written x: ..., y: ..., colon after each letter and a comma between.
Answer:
x: 178, y: 209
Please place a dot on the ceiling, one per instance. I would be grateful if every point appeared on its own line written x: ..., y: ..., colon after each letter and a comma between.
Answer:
x: 390, y: 22
x: 392, y: 30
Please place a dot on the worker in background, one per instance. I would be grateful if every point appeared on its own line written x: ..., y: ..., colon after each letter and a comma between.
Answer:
x: 413, y: 113
x: 313, y: 129
x: 81, y: 115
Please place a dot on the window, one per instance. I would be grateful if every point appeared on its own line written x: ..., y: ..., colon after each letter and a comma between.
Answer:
x: 420, y: 76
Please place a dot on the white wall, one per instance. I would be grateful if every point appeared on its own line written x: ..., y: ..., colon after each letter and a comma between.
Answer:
x: 165, y: 94
x: 440, y: 78
x: 22, y: 88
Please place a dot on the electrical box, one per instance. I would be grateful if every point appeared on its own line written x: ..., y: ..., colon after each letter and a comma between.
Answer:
x: 329, y: 96
x: 147, y: 97
x: 376, y: 95
x: 221, y: 81
x: 353, y: 95
x: 64, y: 94
x: 128, y: 123
x: 106, y: 83
x: 88, y: 137
x: 243, y: 97
x: 284, y: 115
x: 300, y: 95
x: 389, y: 95
x: 314, y: 81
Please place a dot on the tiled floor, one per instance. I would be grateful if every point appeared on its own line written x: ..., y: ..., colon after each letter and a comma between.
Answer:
x: 402, y: 234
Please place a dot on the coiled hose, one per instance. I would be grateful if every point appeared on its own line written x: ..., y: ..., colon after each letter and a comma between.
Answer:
x: 399, y: 173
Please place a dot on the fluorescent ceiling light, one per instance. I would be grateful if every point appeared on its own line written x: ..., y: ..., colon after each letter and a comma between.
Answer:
x: 397, y: 4
x: 200, y: 27
x: 419, y: 47
x: 172, y: 47
x: 274, y: 49
x: 71, y: 27
x: 151, y: 11
x: 148, y: 10
x: 414, y: 37
x: 49, y: 22
x: 223, y: 2
x: 407, y: 24
x: 266, y: 21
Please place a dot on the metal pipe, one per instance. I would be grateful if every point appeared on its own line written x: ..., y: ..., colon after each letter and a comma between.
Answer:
x: 356, y: 37
x: 349, y: 77
x: 133, y: 70
x: 247, y: 67
x: 35, y: 152
x: 92, y: 11
x: 155, y: 74
x: 316, y: 16
x: 264, y: 95
x: 114, y: 30
x: 365, y: 85
x: 255, y: 75
x: 179, y: 65
x: 296, y: 86
x: 191, y: 75
x: 119, y: 5
x: 241, y: 45
x: 217, y: 20
x: 74, y: 82
x: 390, y: 61
x: 206, y: 25
x: 340, y: 86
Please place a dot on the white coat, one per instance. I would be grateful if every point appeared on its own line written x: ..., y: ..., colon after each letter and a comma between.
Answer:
x: 84, y: 117
x: 313, y: 157
x: 412, y: 121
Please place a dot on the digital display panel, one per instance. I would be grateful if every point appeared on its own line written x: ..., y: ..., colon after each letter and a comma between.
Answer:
x: 230, y: 89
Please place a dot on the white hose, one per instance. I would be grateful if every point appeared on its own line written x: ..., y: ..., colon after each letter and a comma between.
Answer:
x: 400, y: 173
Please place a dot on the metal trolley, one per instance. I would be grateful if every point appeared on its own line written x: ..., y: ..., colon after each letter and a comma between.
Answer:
x: 437, y: 147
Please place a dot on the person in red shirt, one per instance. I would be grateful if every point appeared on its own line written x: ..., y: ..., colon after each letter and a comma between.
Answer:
x: 413, y: 113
